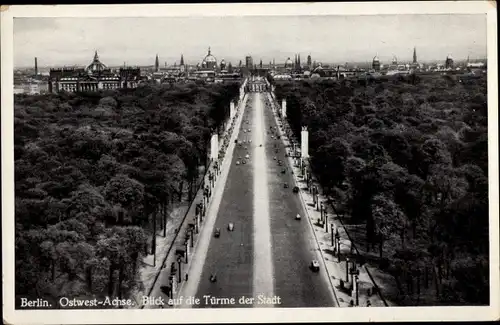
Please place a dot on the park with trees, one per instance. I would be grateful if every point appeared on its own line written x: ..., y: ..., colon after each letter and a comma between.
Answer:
x: 96, y: 175
x: 404, y: 160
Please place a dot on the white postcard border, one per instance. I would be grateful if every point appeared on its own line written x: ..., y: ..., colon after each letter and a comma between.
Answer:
x: 244, y: 315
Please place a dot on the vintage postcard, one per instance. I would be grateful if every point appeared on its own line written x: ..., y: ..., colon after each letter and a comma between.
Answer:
x: 271, y: 162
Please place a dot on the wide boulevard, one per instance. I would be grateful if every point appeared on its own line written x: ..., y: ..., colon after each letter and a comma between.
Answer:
x: 267, y: 256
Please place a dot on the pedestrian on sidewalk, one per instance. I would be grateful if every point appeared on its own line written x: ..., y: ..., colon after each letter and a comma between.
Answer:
x: 186, y: 277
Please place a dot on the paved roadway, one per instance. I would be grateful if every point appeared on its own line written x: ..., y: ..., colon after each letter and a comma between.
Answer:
x: 268, y: 252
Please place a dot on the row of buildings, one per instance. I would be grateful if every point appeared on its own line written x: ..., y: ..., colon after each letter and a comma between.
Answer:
x: 97, y: 76
x: 294, y: 70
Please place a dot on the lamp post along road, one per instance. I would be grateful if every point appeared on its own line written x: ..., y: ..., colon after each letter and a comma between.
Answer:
x: 179, y: 261
x: 357, y: 288
x: 347, y: 269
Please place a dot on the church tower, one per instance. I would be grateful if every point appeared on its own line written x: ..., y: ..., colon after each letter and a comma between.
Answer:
x: 414, y: 55
x: 182, y: 66
x: 309, y: 61
x: 157, y: 64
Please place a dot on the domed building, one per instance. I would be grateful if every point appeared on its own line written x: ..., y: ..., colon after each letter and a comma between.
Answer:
x: 209, y: 62
x: 96, y: 67
x: 95, y: 77
x: 376, y: 63
x: 319, y: 70
x: 288, y: 64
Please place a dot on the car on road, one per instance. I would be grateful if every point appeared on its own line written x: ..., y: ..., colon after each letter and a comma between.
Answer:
x: 230, y: 226
x: 244, y: 162
x: 237, y: 162
x: 285, y: 185
x: 315, y: 265
x: 295, y: 189
x: 298, y: 217
x: 217, y: 232
x: 247, y: 156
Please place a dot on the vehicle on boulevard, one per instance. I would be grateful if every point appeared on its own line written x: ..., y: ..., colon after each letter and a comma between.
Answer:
x: 244, y: 162
x: 283, y: 171
x: 298, y: 217
x: 217, y: 232
x: 230, y: 226
x: 237, y: 162
x: 295, y: 189
x: 247, y: 156
x: 315, y: 265
x: 213, y: 278
x: 285, y: 185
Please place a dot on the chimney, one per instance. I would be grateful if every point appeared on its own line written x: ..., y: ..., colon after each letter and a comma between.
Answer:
x: 36, y: 66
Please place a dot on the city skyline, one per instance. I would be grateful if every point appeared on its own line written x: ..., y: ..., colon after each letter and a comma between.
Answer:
x: 60, y: 42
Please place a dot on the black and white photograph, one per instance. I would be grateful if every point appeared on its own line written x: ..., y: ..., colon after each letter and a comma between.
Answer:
x: 250, y: 162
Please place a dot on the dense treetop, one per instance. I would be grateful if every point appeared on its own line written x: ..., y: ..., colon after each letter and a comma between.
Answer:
x: 94, y: 172
x: 407, y: 157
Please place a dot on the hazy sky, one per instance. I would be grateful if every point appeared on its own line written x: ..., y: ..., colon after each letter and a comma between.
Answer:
x: 136, y: 41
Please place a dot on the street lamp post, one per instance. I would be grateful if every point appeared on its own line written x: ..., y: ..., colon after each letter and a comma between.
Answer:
x: 347, y: 269
x: 179, y: 260
x: 333, y: 237
x: 357, y: 290
x: 352, y: 270
x: 326, y: 223
x: 171, y: 284
x: 337, y: 242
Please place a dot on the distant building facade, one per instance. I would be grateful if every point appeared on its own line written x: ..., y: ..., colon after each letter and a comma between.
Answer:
x: 248, y: 62
x: 95, y: 77
x: 376, y: 63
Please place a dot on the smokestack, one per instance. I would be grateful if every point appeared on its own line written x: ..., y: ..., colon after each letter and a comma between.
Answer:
x: 36, y: 66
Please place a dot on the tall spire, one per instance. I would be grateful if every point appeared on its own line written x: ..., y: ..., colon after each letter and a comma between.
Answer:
x: 96, y: 57
x: 182, y: 59
x: 209, y: 50
x: 414, y: 55
x: 157, y: 64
